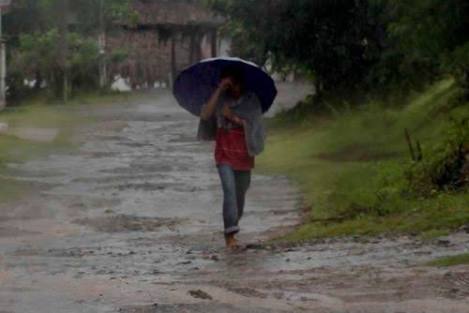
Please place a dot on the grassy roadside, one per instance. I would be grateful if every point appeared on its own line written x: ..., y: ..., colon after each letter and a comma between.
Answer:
x: 40, y: 113
x: 15, y: 149
x: 352, y: 167
x: 453, y: 260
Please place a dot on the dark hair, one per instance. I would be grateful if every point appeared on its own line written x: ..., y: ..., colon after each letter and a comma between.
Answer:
x: 235, y: 73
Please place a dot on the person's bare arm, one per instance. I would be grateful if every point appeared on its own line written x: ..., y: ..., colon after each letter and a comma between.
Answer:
x: 209, y: 108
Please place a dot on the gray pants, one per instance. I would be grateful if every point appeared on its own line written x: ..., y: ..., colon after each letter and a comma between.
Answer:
x: 234, y: 184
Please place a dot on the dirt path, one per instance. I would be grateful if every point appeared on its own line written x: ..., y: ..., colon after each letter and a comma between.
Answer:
x: 131, y: 223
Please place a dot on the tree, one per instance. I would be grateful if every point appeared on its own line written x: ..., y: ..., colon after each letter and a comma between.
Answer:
x: 57, y: 41
x: 379, y: 45
x: 331, y: 40
x: 433, y: 33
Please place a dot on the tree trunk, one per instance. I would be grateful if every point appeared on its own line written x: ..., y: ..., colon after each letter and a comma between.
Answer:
x: 191, y: 48
x: 63, y: 44
x: 466, y: 84
x: 318, y: 92
x: 173, y: 60
x: 103, y: 81
x: 214, y: 43
x: 38, y: 83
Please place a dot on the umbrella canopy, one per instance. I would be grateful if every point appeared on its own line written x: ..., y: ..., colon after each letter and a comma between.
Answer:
x: 194, y: 85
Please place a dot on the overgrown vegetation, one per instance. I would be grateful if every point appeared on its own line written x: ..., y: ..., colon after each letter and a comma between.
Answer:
x: 451, y: 260
x: 379, y: 46
x: 15, y: 149
x: 37, y: 58
x: 445, y: 167
x: 40, y: 112
x: 356, y: 172
x: 34, y: 115
x: 55, y: 44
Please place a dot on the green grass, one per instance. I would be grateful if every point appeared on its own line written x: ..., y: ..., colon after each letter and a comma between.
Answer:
x: 12, y: 189
x: 460, y: 259
x: 433, y: 234
x: 350, y: 167
x: 42, y: 113
x: 13, y: 148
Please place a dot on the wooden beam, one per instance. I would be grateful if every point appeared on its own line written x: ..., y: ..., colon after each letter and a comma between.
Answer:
x: 173, y: 59
x: 214, y: 42
x: 191, y: 48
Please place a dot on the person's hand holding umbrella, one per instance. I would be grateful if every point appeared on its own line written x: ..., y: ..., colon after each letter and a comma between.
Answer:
x: 209, y: 108
x: 225, y: 83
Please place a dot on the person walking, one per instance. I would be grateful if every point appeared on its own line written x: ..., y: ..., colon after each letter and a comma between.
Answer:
x: 232, y: 157
x: 232, y: 117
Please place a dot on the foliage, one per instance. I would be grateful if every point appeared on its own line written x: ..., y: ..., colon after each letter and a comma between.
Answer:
x: 352, y: 166
x: 56, y: 42
x: 452, y: 260
x: 37, y: 58
x: 118, y: 55
x: 374, y: 45
x: 445, y: 165
x: 331, y: 40
x: 40, y: 15
x: 457, y: 62
x: 428, y: 33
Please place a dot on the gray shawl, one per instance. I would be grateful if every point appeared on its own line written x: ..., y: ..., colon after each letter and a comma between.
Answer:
x: 247, y: 108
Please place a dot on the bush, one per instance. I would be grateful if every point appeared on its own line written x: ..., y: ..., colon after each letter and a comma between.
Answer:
x: 445, y: 167
x: 458, y: 64
x: 38, y: 56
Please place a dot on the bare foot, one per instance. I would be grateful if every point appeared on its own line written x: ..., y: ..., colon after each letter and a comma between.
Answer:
x: 231, y: 242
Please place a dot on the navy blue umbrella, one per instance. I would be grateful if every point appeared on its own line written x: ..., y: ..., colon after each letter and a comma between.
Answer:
x: 194, y: 85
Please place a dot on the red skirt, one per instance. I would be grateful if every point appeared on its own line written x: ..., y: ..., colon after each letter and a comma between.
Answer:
x: 231, y: 149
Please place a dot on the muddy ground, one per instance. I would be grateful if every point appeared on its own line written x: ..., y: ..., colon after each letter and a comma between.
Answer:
x: 131, y: 222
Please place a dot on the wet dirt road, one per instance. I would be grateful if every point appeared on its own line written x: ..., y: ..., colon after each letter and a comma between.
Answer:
x: 131, y: 222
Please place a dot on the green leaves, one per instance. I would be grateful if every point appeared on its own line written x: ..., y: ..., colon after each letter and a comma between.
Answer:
x: 426, y: 34
x: 37, y: 52
x: 40, y: 53
x: 363, y: 43
x: 56, y: 42
x: 83, y: 52
x: 328, y: 39
x: 457, y: 63
x: 442, y: 168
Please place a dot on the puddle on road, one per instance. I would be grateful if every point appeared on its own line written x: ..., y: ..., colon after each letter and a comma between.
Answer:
x: 192, y: 308
x: 8, y: 231
x: 125, y: 223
